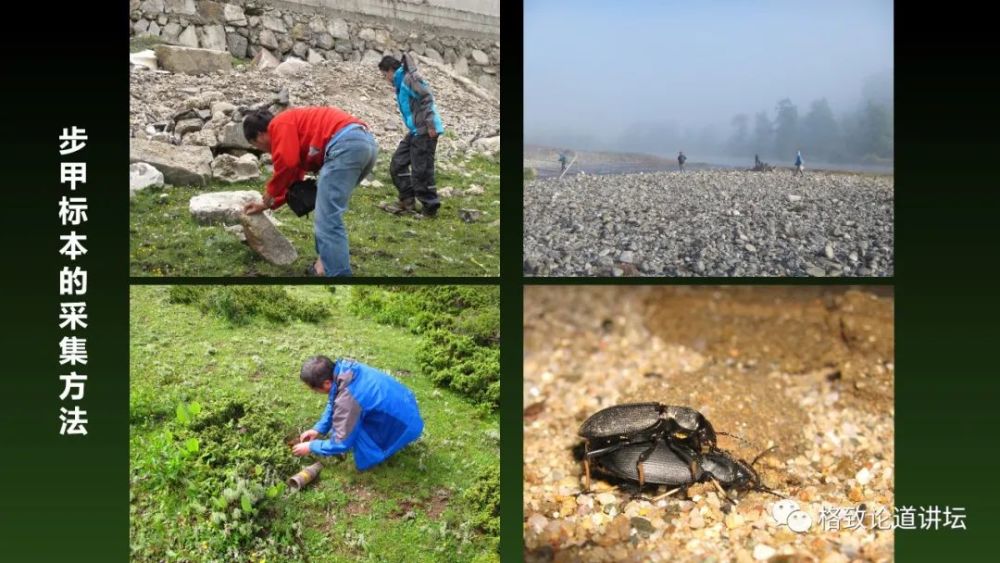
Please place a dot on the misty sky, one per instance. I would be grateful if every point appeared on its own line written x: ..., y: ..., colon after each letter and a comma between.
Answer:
x: 590, y: 66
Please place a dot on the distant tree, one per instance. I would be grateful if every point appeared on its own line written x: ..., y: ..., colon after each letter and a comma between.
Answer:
x: 763, y: 134
x: 740, y: 141
x: 820, y: 132
x: 875, y: 131
x: 786, y: 129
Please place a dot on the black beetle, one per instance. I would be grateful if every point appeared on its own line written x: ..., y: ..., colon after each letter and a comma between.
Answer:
x: 684, y: 430
x: 664, y: 467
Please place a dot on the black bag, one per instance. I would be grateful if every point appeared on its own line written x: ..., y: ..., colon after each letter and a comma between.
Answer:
x: 301, y: 197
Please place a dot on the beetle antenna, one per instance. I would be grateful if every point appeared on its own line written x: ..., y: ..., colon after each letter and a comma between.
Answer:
x: 764, y: 488
x: 762, y: 454
x: 740, y: 438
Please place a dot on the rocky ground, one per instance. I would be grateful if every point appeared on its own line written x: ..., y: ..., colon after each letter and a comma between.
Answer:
x: 710, y: 223
x: 806, y: 369
x: 468, y: 111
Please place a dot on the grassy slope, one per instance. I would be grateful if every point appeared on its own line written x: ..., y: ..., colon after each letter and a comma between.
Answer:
x: 408, y: 509
x: 165, y: 240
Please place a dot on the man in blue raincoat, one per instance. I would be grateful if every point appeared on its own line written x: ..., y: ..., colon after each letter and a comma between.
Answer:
x: 369, y: 412
x: 799, y: 164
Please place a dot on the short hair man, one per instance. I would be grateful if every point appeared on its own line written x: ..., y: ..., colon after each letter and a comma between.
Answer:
x: 326, y: 139
x: 412, y: 165
x: 368, y: 412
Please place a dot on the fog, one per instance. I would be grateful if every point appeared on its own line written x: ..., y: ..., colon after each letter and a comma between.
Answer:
x: 711, y: 78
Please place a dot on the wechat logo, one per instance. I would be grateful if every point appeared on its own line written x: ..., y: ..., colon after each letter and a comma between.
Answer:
x: 786, y: 512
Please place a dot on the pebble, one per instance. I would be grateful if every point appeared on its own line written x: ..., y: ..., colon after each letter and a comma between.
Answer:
x: 864, y: 476
x: 607, y: 498
x: 763, y: 552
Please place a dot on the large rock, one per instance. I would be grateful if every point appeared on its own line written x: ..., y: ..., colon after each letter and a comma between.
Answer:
x: 268, y: 40
x: 213, y: 37
x: 171, y: 33
x: 273, y: 23
x: 221, y: 207
x: 324, y: 40
x: 313, y: 57
x: 487, y: 145
x: 141, y: 176
x: 180, y: 7
x: 237, y: 45
x: 371, y: 57
x: 188, y: 37
x: 185, y: 126
x: 338, y: 29
x: 230, y: 169
x: 234, y: 15
x: 145, y: 59
x: 480, y: 58
x: 292, y: 67
x: 193, y: 61
x: 461, y: 66
x: 264, y: 60
x: 232, y: 137
x: 185, y: 165
x: 266, y: 240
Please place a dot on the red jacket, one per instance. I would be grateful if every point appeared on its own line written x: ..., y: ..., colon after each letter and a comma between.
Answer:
x: 298, y: 140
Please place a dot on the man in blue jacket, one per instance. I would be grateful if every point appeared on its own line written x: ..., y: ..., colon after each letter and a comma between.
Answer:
x: 369, y: 412
x: 412, y: 165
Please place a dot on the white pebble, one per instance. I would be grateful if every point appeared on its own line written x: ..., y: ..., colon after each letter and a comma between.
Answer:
x: 763, y: 552
x: 606, y: 498
x: 864, y: 476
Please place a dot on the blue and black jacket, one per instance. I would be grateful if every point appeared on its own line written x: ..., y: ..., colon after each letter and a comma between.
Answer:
x: 369, y: 412
x: 416, y: 102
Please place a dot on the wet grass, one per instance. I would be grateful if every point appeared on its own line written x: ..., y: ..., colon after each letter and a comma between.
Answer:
x: 244, y: 378
x: 166, y: 241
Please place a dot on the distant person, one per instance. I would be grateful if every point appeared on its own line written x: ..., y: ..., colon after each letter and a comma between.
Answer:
x: 368, y: 412
x: 681, y: 159
x: 412, y: 165
x: 756, y: 162
x: 799, y: 164
x: 562, y: 162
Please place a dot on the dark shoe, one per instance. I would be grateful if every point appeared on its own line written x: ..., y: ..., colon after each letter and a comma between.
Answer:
x: 400, y: 207
x: 430, y: 210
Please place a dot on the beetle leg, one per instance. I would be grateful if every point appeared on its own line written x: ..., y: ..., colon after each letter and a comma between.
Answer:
x: 725, y: 495
x: 642, y: 458
x: 586, y: 465
x: 687, y: 455
x: 666, y: 494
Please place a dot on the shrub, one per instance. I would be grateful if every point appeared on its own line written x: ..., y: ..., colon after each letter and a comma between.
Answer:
x: 460, y: 329
x: 484, y: 496
x: 240, y: 304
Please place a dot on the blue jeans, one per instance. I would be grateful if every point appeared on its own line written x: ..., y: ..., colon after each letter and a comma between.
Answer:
x: 348, y: 159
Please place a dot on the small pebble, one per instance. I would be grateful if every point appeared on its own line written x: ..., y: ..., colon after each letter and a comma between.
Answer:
x: 763, y: 552
x: 864, y: 476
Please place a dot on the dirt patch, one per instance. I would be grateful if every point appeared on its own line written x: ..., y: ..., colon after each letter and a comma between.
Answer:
x: 807, y: 369
x: 437, y: 503
x: 358, y: 500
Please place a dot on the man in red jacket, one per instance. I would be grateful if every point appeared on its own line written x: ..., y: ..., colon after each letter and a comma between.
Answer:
x: 326, y: 139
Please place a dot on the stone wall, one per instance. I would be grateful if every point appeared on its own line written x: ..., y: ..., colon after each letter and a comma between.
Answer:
x: 312, y: 33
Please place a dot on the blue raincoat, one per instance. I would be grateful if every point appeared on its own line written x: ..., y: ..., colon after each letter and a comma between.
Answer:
x: 369, y: 412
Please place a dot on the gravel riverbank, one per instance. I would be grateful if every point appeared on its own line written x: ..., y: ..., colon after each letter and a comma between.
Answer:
x: 710, y: 223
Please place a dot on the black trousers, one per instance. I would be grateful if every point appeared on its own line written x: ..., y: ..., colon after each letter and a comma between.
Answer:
x: 412, y: 168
